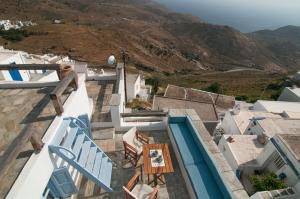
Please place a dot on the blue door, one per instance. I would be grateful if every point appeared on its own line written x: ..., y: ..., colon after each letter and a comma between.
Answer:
x: 15, y: 74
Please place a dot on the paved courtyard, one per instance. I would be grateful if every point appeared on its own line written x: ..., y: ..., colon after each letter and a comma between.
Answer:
x: 174, y: 188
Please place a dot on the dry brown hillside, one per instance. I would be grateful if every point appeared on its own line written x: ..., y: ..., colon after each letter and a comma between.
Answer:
x: 155, y: 38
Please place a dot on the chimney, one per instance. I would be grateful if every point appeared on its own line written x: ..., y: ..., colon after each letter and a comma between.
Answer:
x: 262, y: 139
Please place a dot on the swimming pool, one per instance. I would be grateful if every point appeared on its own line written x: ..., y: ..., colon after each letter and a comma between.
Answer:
x: 195, y: 162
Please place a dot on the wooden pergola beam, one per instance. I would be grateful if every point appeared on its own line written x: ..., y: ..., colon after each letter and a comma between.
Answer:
x: 56, y: 67
x: 55, y: 95
x: 30, y: 66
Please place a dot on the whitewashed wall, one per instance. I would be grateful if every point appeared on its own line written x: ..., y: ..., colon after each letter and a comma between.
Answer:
x: 264, y: 160
x: 227, y: 152
x: 228, y: 125
x: 117, y: 107
x: 259, y: 107
x: 133, y: 88
x: 17, y: 58
x: 254, y: 129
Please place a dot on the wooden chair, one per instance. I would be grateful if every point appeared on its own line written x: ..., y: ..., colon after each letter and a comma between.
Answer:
x: 135, y: 189
x: 133, y: 141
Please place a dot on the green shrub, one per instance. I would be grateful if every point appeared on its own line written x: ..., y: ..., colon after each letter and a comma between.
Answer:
x: 14, y: 34
x: 17, y: 34
x: 215, y: 88
x: 274, y: 86
x: 155, y: 82
x: 266, y: 182
x: 242, y: 97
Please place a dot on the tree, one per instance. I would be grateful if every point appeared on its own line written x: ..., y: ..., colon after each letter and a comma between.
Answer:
x: 155, y: 82
x: 215, y: 88
x: 267, y: 182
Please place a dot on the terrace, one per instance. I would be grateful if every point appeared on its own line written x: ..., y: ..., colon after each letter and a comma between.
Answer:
x: 173, y: 188
x: 90, y: 161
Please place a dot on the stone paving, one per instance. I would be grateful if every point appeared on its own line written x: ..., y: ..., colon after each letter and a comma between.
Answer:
x: 100, y: 92
x: 174, y: 188
x: 19, y: 107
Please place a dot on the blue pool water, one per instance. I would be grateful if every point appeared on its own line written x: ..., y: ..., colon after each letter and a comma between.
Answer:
x: 204, y: 177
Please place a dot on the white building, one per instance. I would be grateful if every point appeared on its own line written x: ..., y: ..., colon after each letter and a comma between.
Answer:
x: 237, y: 122
x: 281, y: 156
x: 240, y: 150
x: 13, y: 57
x: 8, y: 24
x: 290, y: 95
x: 276, y: 106
x: 136, y: 88
x: 20, y: 57
x: 246, y: 155
x: 272, y: 126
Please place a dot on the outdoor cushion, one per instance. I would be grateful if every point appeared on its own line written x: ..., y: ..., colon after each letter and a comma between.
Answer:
x: 130, y: 138
x: 142, y: 191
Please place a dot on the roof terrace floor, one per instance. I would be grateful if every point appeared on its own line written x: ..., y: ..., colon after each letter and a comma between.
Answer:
x: 18, y: 108
x: 100, y: 92
x: 174, y: 188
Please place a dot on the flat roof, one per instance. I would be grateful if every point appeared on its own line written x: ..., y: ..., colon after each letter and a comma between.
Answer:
x: 205, y: 111
x: 291, y: 115
x: 278, y: 106
x: 242, y: 119
x: 245, y: 148
x: 18, y: 108
x: 5, y: 55
x: 270, y: 127
x: 292, y: 142
x: 289, y: 126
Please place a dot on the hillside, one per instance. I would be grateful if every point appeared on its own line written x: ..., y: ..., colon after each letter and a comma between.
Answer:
x: 283, y: 42
x: 156, y: 39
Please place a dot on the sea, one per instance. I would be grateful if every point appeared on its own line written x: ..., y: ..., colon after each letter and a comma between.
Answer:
x: 243, y: 15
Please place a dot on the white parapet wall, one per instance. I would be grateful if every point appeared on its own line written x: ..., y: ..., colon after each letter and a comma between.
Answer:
x: 13, y: 57
x: 117, y: 106
x: 35, y: 175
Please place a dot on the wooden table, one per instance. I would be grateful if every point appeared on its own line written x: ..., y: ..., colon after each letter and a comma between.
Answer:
x: 157, y: 171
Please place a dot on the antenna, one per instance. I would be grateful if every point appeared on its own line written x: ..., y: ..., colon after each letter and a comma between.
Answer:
x: 125, y: 58
x: 257, y: 118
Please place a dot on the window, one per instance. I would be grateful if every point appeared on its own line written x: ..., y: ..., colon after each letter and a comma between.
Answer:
x: 278, y: 161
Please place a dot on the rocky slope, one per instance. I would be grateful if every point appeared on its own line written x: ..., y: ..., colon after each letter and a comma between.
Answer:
x: 155, y: 38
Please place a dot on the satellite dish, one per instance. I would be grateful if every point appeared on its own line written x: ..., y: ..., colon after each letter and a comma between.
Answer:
x: 111, y: 60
